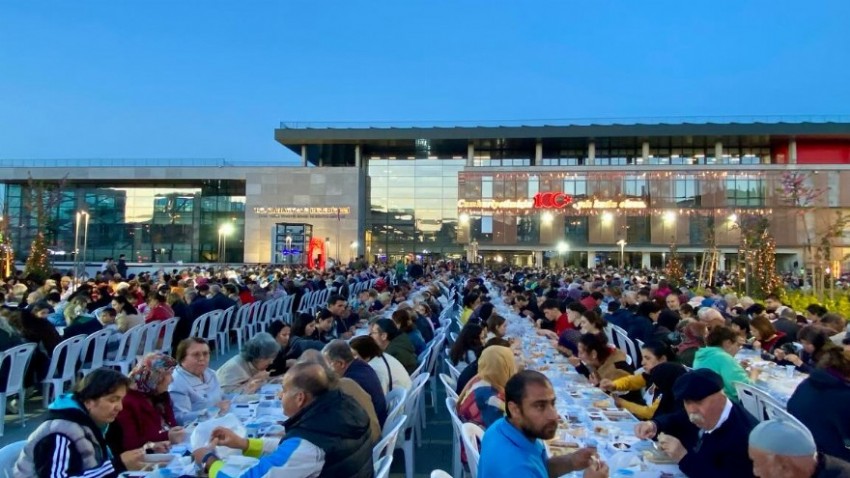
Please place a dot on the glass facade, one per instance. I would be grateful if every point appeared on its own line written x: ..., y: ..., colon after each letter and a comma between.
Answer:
x: 413, y: 207
x: 163, y: 223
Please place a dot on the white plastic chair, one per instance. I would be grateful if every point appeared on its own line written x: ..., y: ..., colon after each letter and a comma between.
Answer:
x: 389, y: 435
x: 169, y: 326
x: 438, y: 343
x: 395, y: 402
x: 411, y: 409
x: 450, y: 384
x: 457, y: 466
x: 128, y: 349
x: 150, y: 337
x: 775, y: 411
x: 224, y: 326
x: 206, y: 327
x: 749, y: 400
x: 58, y: 375
x: 96, y: 345
x: 627, y: 346
x: 382, y: 467
x: 18, y: 358
x: 440, y: 474
x: 9, y: 456
x: 453, y: 371
x: 471, y: 435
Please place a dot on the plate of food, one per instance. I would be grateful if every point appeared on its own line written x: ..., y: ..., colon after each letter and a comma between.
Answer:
x: 559, y: 448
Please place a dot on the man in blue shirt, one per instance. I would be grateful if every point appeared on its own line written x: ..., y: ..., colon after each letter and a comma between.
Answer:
x: 513, y: 446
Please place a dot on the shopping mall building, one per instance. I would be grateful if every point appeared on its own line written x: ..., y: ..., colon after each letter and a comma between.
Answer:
x: 582, y: 194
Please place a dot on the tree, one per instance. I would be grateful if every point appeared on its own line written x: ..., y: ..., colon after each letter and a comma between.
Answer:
x: 39, y: 200
x: 38, y: 263
x: 674, y: 270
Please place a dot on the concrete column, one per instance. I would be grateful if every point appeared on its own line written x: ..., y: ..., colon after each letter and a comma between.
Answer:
x: 645, y: 260
x: 538, y: 153
x: 721, y: 262
x: 591, y: 153
x: 358, y: 161
x: 792, y: 151
x: 304, y: 155
x: 718, y: 151
x: 591, y: 259
x: 470, y: 154
x: 645, y: 152
x: 538, y: 258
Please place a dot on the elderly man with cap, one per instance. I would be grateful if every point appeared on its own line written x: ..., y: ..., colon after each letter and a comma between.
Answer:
x: 784, y: 450
x: 709, y: 437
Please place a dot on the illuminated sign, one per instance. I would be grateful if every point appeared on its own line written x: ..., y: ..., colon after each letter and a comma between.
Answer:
x: 495, y: 204
x: 552, y: 200
x: 337, y: 212
x: 610, y: 204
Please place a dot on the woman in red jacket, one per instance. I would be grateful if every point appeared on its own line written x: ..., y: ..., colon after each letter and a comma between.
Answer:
x: 147, y: 419
x: 159, y: 308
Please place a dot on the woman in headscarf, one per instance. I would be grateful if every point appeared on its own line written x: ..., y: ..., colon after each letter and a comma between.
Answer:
x: 147, y: 418
x: 693, y: 337
x: 482, y: 401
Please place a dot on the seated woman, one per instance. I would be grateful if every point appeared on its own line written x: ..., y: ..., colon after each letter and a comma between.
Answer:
x: 194, y: 388
x: 128, y: 317
x: 147, y: 417
x: 767, y: 338
x: 158, y: 308
x: 468, y: 345
x: 497, y: 326
x: 404, y: 321
x: 815, y: 341
x: 719, y: 355
x: 693, y: 337
x: 600, y: 362
x: 246, y: 371
x: 292, y: 343
x: 653, y: 354
x: 70, y: 441
x: 482, y: 401
x: 390, y: 371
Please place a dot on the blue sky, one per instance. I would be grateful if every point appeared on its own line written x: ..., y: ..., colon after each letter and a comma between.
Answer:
x: 210, y: 79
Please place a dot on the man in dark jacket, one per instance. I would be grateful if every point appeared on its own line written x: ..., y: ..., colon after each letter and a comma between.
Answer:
x: 781, y: 449
x: 392, y: 341
x: 327, y: 434
x: 708, y: 438
x: 340, y: 357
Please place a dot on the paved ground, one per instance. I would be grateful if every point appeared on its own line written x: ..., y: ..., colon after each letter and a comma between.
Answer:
x: 435, y: 451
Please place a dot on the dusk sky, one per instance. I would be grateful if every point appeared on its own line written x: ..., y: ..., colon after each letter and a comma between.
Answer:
x: 211, y: 79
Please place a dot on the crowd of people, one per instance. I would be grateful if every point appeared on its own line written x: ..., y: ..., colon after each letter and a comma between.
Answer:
x: 335, y: 383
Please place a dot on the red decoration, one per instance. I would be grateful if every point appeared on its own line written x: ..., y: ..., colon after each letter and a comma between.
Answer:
x: 552, y: 200
x: 316, y: 246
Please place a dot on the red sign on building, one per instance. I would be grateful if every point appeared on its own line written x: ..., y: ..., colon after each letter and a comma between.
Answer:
x: 552, y: 200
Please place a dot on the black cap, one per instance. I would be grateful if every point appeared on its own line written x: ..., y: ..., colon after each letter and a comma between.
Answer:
x: 697, y: 384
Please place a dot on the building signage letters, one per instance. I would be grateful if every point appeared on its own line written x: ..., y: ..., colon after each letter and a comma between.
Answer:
x: 552, y: 200
x: 494, y: 204
x: 337, y: 212
x: 610, y: 204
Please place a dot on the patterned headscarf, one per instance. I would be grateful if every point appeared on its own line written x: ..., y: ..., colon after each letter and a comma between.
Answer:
x: 150, y: 370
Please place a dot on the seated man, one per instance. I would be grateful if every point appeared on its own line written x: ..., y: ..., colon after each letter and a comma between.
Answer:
x: 781, y: 450
x: 340, y: 357
x: 327, y: 434
x: 709, y: 437
x: 512, y: 446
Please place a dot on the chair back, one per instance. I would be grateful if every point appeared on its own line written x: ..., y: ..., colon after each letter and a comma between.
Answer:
x: 19, y: 358
x: 457, y: 424
x: 69, y: 349
x: 471, y: 435
x: 450, y: 384
x: 382, y: 467
x: 750, y: 400
x: 150, y: 337
x: 440, y: 474
x: 9, y: 456
x: 389, y: 435
x: 775, y: 411
x: 93, y: 351
x: 226, y: 320
x: 411, y: 404
x: 453, y: 371
x: 627, y: 346
x: 421, y: 367
x: 395, y: 402
x: 201, y: 325
x: 168, y: 327
x: 129, y: 344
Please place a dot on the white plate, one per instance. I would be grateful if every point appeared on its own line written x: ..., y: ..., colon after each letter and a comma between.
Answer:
x: 158, y: 458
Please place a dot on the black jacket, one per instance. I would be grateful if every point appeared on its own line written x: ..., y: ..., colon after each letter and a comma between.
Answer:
x: 338, y: 425
x: 831, y: 467
x: 184, y: 322
x: 722, y: 453
x: 820, y: 402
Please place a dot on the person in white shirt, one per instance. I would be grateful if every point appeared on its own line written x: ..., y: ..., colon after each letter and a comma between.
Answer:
x: 195, y: 387
x: 390, y: 371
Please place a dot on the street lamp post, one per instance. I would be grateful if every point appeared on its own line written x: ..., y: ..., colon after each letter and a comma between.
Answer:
x: 622, y: 244
x: 224, y: 230
x: 80, y: 264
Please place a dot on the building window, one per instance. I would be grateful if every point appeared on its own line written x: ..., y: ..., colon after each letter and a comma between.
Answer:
x: 575, y: 230
x: 527, y: 230
x: 487, y: 187
x: 533, y: 186
x: 700, y: 229
x: 637, y: 229
x: 576, y: 187
x: 745, y: 190
x: 635, y: 186
x: 686, y: 192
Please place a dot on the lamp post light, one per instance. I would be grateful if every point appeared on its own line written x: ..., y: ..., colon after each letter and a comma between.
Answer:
x: 82, y: 217
x: 622, y: 244
x: 224, y: 231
